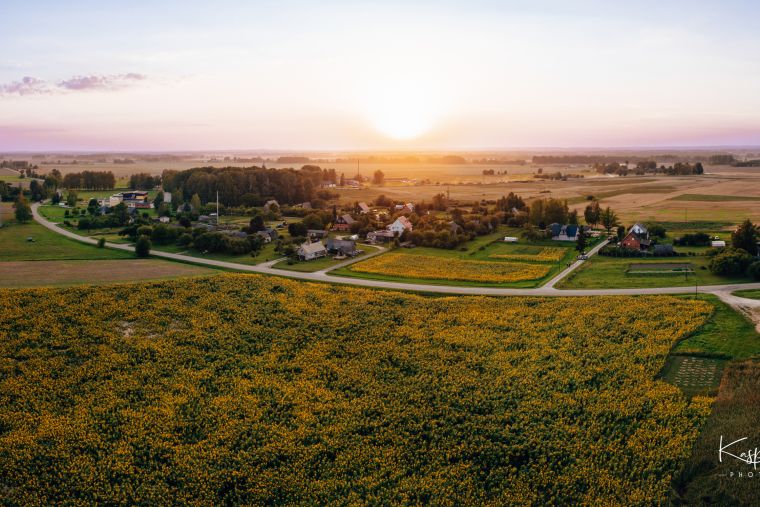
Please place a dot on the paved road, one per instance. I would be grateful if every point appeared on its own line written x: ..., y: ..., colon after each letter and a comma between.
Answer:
x: 322, y: 276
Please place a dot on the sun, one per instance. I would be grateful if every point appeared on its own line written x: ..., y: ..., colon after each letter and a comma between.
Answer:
x: 402, y: 111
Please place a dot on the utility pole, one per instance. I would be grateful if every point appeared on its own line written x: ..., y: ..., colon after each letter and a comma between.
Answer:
x: 217, y: 207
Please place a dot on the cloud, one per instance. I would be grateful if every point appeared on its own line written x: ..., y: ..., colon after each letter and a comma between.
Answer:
x: 106, y: 82
x: 33, y: 86
x: 27, y: 86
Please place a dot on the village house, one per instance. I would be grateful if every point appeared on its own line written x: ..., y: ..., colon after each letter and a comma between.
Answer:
x: 363, y: 208
x: 404, y: 208
x: 637, y: 238
x: 561, y: 232
x: 315, y: 234
x: 380, y: 236
x: 400, y: 225
x: 343, y: 222
x: 342, y: 246
x: 309, y: 251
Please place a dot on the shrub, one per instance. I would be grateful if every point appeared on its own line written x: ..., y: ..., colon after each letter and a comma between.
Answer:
x: 731, y: 261
x: 101, y: 242
x: 754, y: 270
x: 142, y: 246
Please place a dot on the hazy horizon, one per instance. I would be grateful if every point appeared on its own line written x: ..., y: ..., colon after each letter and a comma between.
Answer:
x: 363, y: 76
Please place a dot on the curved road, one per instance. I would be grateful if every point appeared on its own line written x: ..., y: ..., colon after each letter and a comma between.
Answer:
x: 723, y: 291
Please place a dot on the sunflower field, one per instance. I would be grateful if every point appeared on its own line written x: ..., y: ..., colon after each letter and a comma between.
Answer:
x: 244, y: 389
x: 428, y: 267
x: 548, y: 254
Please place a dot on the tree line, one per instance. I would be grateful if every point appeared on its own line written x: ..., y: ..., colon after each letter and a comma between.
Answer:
x: 90, y: 180
x: 248, y: 186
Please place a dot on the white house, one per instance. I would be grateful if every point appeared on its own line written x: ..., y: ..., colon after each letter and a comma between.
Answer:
x: 400, y: 225
x: 167, y: 197
x: 310, y: 251
x: 718, y: 244
x: 639, y: 229
x: 510, y: 239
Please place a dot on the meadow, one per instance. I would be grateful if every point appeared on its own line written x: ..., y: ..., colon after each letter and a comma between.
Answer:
x: 243, y: 389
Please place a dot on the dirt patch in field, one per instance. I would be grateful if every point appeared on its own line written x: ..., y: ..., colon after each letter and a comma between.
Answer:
x: 40, y: 273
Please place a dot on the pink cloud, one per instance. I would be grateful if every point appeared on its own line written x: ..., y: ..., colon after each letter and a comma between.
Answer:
x: 106, y: 82
x: 27, y: 86
x: 33, y: 86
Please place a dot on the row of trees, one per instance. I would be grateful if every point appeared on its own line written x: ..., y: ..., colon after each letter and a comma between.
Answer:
x: 90, y: 180
x: 144, y: 181
x: 251, y: 186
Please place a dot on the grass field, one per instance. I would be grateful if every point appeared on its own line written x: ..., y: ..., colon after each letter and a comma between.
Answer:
x: 97, y: 272
x: 611, y: 272
x: 47, y: 245
x: 715, y: 198
x: 242, y: 389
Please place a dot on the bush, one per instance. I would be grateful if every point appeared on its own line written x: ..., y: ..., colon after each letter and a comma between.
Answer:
x: 142, y: 246
x: 184, y: 239
x: 731, y: 261
x: 101, y: 242
x: 754, y: 270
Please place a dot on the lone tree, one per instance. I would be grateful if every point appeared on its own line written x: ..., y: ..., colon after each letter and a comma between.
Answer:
x: 142, y: 246
x: 609, y: 219
x: 378, y: 178
x: 23, y: 211
x: 745, y: 237
x: 592, y: 213
x: 580, y: 243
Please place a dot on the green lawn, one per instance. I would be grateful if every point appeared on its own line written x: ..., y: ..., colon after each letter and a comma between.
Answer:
x: 47, y: 245
x: 319, y: 264
x: 267, y: 253
x: 750, y: 294
x: 602, y: 272
x: 727, y: 335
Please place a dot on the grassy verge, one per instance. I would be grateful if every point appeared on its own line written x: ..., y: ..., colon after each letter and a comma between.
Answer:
x: 750, y: 294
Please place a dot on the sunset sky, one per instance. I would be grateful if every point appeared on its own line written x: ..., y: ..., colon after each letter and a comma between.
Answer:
x: 153, y: 75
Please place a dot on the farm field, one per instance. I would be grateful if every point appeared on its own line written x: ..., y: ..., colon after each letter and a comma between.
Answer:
x: 47, y: 245
x: 79, y: 272
x: 191, y: 392
x: 602, y: 272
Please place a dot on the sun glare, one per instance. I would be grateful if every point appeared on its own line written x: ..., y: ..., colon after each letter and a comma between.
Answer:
x: 402, y: 111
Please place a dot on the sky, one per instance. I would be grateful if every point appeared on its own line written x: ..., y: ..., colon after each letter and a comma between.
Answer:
x: 349, y: 75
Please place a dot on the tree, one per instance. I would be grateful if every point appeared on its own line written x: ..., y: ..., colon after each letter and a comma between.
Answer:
x: 342, y: 180
x: 23, y: 211
x: 593, y: 213
x: 177, y: 199
x: 378, y: 178
x: 142, y: 246
x: 745, y: 237
x: 92, y: 206
x: 609, y: 219
x: 257, y: 224
x: 195, y: 202
x: 620, y: 233
x: 580, y: 243
x: 71, y: 199
x: 297, y: 229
